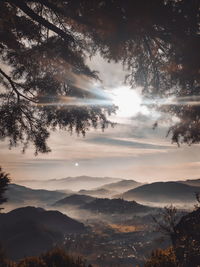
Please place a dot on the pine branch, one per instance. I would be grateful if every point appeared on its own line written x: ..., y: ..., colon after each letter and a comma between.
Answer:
x: 13, y: 85
x: 42, y: 21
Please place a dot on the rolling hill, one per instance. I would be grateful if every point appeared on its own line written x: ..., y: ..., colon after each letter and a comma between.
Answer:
x: 101, y: 192
x: 192, y: 182
x: 30, y: 231
x: 163, y: 192
x: 18, y: 195
x: 114, y: 206
x: 73, y: 200
x: 121, y: 186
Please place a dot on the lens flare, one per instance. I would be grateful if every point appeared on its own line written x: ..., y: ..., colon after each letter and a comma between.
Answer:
x: 128, y: 101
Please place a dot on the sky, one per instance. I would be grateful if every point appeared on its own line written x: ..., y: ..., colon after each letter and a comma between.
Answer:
x: 130, y: 150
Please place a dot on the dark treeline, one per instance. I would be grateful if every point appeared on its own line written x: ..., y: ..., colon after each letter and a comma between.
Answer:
x: 54, y: 258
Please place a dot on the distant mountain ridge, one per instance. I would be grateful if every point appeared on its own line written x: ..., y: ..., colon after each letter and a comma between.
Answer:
x: 122, y: 186
x: 111, y: 189
x: 70, y: 183
x: 20, y: 195
x: 163, y: 192
x: 192, y: 182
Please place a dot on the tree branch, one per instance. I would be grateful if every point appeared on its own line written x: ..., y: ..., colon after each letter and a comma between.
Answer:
x: 152, y: 61
x: 12, y: 83
x: 28, y: 11
x: 61, y: 11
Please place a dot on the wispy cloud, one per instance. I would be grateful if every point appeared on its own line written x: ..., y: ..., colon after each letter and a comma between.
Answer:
x: 125, y: 143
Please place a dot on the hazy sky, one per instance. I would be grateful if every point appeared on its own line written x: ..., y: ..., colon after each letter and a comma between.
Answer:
x: 131, y: 150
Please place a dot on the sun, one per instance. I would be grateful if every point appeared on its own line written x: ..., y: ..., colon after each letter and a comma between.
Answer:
x: 128, y: 101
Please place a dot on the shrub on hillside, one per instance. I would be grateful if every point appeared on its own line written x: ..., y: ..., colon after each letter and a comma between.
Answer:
x: 32, y: 262
x: 59, y: 258
x: 53, y: 258
x: 162, y: 258
x: 4, y: 262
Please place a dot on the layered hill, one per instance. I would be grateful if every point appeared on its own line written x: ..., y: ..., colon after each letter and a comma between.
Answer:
x: 100, y: 192
x: 70, y: 183
x: 73, y: 200
x: 18, y: 195
x: 163, y: 192
x: 30, y: 231
x: 111, y: 189
x: 121, y: 186
x: 191, y: 182
x: 114, y: 206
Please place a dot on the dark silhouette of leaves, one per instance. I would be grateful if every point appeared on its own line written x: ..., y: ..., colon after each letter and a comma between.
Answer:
x: 4, y: 181
x: 44, y: 44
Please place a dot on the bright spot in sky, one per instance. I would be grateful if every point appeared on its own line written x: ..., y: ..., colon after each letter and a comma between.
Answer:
x: 76, y: 164
x: 128, y: 101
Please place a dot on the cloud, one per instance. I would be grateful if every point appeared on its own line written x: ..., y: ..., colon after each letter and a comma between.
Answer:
x: 131, y: 150
x: 125, y: 143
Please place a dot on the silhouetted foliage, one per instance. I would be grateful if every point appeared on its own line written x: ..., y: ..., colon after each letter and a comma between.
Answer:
x: 53, y: 258
x: 187, y: 240
x: 185, y: 237
x: 158, y: 42
x: 42, y: 70
x: 162, y: 258
x: 32, y: 262
x: 197, y: 196
x: 4, y: 181
x: 167, y: 220
x: 59, y: 257
x: 44, y: 43
x: 4, y: 262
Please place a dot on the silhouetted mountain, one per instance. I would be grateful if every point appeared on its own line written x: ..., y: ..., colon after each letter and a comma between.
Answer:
x: 194, y: 182
x: 122, y: 186
x: 29, y: 231
x: 21, y: 195
x: 74, y: 200
x: 101, y: 192
x: 70, y: 183
x: 162, y: 192
x: 116, y: 205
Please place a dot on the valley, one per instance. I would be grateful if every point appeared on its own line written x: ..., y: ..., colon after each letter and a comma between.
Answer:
x: 106, y: 231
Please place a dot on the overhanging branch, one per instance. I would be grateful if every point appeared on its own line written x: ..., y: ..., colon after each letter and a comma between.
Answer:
x: 13, y: 85
x: 28, y: 11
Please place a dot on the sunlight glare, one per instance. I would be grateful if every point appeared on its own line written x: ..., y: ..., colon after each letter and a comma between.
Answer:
x: 128, y: 101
